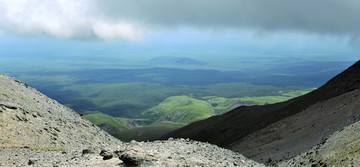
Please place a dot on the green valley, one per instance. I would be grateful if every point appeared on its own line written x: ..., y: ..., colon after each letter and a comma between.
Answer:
x: 145, y: 103
x: 176, y: 112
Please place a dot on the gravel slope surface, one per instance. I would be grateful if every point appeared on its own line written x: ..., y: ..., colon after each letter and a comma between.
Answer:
x: 179, y: 152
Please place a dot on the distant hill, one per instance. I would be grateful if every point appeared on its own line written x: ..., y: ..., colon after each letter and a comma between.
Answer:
x: 109, y: 123
x: 128, y: 129
x: 169, y: 60
x: 182, y: 109
x: 149, y: 132
x: 275, y: 132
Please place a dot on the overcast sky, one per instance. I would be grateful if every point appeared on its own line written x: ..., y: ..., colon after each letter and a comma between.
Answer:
x: 132, y: 19
x: 329, y: 21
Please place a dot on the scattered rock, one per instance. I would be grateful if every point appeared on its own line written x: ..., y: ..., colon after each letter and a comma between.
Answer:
x: 32, y: 161
x: 106, y: 154
x: 130, y: 160
x: 87, y: 151
x: 9, y: 107
x: 180, y: 152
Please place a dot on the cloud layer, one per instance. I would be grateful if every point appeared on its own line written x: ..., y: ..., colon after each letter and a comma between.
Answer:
x: 131, y: 19
x: 78, y: 19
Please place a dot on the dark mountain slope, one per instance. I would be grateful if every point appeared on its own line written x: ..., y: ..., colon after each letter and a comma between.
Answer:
x: 233, y: 126
x: 293, y: 135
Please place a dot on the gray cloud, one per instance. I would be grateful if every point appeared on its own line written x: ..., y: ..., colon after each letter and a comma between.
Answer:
x: 132, y: 19
x: 319, y: 16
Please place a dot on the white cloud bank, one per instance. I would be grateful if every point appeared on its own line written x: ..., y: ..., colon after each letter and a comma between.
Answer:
x: 63, y: 19
x: 132, y: 19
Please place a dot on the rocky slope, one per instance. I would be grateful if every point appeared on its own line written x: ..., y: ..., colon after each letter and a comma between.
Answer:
x: 298, y: 133
x: 38, y: 131
x: 341, y: 149
x: 272, y: 133
x: 180, y: 152
x: 29, y: 118
x: 155, y: 154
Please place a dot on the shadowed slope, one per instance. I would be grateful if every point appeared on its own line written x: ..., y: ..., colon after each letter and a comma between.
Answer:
x: 340, y: 149
x: 298, y: 133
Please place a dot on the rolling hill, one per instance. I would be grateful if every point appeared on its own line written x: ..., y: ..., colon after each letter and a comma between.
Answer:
x: 276, y: 132
x: 174, y: 113
x: 170, y: 60
x: 149, y: 132
x: 181, y: 109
